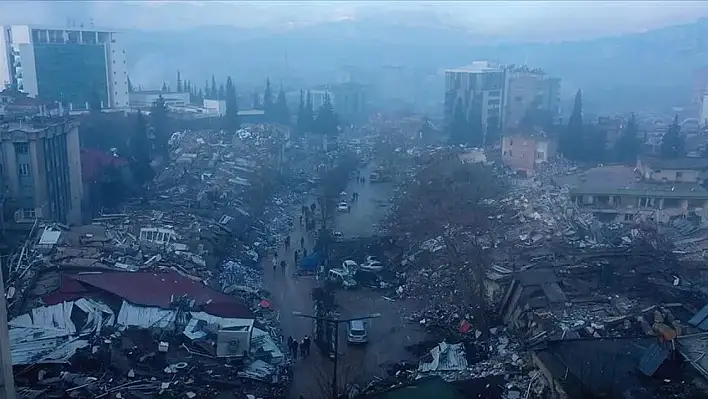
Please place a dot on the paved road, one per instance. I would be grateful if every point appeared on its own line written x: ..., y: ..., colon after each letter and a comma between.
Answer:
x: 388, y: 334
x: 367, y: 212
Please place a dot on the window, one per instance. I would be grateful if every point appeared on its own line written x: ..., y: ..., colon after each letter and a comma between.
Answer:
x: 22, y: 148
x: 519, y: 98
x: 495, y: 93
x: 679, y: 175
x: 628, y: 217
x: 494, y: 102
x: 511, y: 142
x: 28, y: 213
x: 24, y: 169
x: 540, y: 155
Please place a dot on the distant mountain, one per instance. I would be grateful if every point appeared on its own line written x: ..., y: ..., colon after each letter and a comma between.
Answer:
x: 645, y: 71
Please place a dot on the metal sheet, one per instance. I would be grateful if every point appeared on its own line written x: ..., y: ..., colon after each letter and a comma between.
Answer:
x: 699, y: 317
x: 653, y: 358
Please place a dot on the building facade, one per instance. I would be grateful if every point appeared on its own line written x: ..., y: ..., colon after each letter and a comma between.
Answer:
x: 531, y: 89
x: 524, y: 152
x: 40, y: 166
x: 481, y: 88
x: 67, y: 65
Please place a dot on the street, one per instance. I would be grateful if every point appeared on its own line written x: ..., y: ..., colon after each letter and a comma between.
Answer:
x: 388, y: 334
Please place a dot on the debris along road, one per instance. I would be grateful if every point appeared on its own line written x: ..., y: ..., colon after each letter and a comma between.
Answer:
x: 291, y: 293
x: 389, y: 334
x: 370, y: 207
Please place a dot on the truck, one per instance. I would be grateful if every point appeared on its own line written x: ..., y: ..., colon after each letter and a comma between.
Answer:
x: 308, y: 265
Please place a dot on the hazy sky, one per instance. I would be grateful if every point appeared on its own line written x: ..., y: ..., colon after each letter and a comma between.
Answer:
x: 508, y: 19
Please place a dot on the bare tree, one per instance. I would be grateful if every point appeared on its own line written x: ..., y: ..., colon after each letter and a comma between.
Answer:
x: 349, y: 372
x: 449, y: 200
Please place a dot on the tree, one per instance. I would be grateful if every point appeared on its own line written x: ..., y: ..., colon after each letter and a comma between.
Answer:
x: 628, y: 145
x: 231, y: 119
x: 179, y: 83
x: 140, y: 151
x: 207, y: 91
x: 300, y: 126
x: 672, y: 143
x: 159, y: 122
x: 570, y: 143
x: 214, y: 93
x: 200, y: 97
x: 327, y: 122
x: 164, y: 89
x: 282, y: 112
x: 457, y: 129
x: 130, y: 86
x: 222, y: 92
x: 268, y: 101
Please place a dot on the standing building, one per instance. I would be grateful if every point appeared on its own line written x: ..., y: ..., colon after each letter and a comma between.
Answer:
x: 67, y: 65
x: 481, y: 88
x: 40, y: 167
x: 348, y: 100
x: 531, y: 89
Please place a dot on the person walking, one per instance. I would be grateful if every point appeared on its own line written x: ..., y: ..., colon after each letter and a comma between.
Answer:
x: 302, y: 242
x: 287, y: 242
x: 300, y: 220
x: 290, y: 343
x: 283, y: 265
x: 295, y: 347
x: 306, y: 345
x: 275, y: 264
x: 304, y: 252
x: 302, y: 349
x: 296, y: 256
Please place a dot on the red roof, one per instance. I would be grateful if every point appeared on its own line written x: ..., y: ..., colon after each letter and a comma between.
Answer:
x: 151, y: 289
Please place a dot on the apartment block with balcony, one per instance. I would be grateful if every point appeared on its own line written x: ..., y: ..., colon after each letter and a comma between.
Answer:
x: 531, y: 89
x: 40, y: 170
x: 656, y: 190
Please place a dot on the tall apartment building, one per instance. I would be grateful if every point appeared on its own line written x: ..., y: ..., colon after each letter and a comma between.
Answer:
x: 482, y: 88
x: 67, y: 65
x: 529, y: 89
x: 40, y: 169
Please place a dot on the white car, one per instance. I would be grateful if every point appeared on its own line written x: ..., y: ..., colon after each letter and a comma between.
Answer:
x: 349, y: 265
x: 343, y: 207
x: 372, y: 265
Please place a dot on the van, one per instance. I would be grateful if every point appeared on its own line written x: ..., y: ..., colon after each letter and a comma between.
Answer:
x: 356, y: 332
x: 342, y: 277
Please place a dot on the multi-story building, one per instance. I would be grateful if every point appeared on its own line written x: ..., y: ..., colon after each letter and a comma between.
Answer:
x: 531, y: 89
x: 656, y: 190
x: 67, y: 65
x: 481, y: 88
x: 348, y: 100
x: 525, y: 150
x: 40, y: 169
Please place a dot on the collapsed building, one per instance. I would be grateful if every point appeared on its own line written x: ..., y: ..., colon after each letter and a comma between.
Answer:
x: 578, y: 303
x: 164, y: 296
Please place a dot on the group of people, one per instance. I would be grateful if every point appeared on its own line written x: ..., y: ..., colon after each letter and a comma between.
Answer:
x: 355, y: 196
x: 302, y: 347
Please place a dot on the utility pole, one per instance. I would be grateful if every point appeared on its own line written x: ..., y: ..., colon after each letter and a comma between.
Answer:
x: 8, y: 379
x: 336, y: 323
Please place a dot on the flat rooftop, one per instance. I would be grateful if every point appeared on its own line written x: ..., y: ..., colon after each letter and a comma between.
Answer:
x: 623, y: 180
x: 478, y: 67
x: 31, y: 126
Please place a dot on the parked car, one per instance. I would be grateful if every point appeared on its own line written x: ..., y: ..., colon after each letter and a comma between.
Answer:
x: 349, y: 265
x: 356, y: 332
x: 372, y: 264
x: 341, y: 277
x: 343, y: 207
x: 337, y: 236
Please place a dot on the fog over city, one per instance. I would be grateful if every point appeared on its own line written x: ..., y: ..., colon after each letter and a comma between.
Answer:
x: 353, y: 199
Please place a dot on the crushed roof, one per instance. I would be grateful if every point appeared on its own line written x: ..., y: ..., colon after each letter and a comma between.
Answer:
x: 151, y: 289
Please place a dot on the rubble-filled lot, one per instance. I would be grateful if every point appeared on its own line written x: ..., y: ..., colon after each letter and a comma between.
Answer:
x: 164, y: 297
x: 551, y: 275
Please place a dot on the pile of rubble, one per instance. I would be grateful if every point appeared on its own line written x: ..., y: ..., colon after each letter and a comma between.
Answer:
x: 166, y: 295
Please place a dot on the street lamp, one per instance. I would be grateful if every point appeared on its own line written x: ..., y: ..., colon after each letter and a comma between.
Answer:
x: 336, y: 323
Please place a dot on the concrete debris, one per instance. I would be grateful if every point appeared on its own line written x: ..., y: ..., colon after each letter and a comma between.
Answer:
x: 201, y: 229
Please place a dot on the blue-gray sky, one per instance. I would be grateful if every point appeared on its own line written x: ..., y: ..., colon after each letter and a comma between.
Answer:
x: 514, y: 20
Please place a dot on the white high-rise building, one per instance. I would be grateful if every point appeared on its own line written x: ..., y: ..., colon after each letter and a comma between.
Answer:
x: 65, y: 64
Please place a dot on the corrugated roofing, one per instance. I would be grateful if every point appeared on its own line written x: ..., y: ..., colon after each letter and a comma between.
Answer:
x: 158, y: 290
x: 444, y: 357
